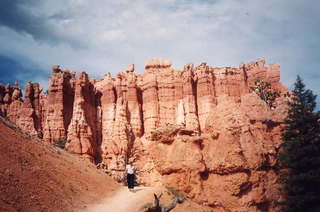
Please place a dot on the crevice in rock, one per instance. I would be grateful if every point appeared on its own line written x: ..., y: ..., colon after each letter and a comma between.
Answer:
x: 140, y: 101
x: 204, y: 175
x: 68, y: 101
x: 245, y: 189
x: 194, y: 92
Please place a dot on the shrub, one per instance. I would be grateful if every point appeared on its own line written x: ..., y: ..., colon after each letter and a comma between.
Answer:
x: 61, y: 143
x: 266, y: 92
x: 165, y: 134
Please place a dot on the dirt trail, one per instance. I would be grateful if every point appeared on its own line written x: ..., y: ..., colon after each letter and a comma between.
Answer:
x: 125, y: 200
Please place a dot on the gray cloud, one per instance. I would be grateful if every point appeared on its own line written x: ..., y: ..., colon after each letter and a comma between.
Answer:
x: 117, y: 33
x: 24, y: 17
x: 15, y: 15
x: 23, y: 72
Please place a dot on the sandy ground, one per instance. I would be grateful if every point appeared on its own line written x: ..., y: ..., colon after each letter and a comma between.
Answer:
x: 125, y: 200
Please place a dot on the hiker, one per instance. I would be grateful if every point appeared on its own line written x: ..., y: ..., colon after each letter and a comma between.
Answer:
x: 130, y: 176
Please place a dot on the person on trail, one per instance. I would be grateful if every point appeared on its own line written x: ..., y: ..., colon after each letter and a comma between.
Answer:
x: 130, y: 176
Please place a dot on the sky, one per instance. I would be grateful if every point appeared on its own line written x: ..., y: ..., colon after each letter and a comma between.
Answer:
x: 101, y: 36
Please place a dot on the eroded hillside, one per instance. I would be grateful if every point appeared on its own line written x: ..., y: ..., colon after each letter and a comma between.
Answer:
x: 36, y: 176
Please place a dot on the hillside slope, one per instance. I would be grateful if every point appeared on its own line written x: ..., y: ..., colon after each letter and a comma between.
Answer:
x: 36, y: 176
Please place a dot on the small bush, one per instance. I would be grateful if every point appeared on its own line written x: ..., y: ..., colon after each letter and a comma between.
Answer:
x: 68, y: 75
x: 266, y: 92
x: 165, y: 134
x: 61, y: 143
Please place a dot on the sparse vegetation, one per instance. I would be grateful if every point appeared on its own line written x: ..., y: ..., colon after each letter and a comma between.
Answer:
x: 61, y: 143
x: 9, y: 123
x: 165, y: 134
x: 14, y: 127
x: 266, y: 92
x: 68, y: 75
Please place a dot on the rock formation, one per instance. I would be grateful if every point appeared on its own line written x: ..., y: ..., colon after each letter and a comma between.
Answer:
x: 202, y: 129
x: 59, y: 105
x: 82, y: 134
x: 28, y: 118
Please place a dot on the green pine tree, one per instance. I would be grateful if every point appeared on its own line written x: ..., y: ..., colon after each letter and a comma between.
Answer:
x: 300, y: 155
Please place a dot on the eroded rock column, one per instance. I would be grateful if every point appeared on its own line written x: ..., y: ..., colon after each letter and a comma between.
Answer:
x: 59, y: 108
x: 82, y: 135
x: 150, y: 102
x: 206, y: 97
x: 189, y: 103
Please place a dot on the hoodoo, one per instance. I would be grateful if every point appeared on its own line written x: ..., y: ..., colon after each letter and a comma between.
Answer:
x: 205, y: 130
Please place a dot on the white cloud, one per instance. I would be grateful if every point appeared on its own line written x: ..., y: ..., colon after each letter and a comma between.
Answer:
x: 113, y: 35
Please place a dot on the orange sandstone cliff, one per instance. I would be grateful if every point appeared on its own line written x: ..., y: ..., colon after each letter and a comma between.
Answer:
x: 203, y: 130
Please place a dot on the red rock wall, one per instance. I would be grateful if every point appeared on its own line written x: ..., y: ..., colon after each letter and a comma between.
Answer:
x: 28, y: 117
x: 206, y: 94
x: 156, y: 98
x: 59, y: 105
x: 82, y: 133
x: 231, y: 166
x: 234, y: 134
x: 188, y: 103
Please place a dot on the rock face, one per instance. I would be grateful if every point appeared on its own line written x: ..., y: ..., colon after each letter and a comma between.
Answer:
x: 231, y: 166
x: 29, y: 118
x: 59, y: 105
x: 201, y: 129
x: 82, y: 134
